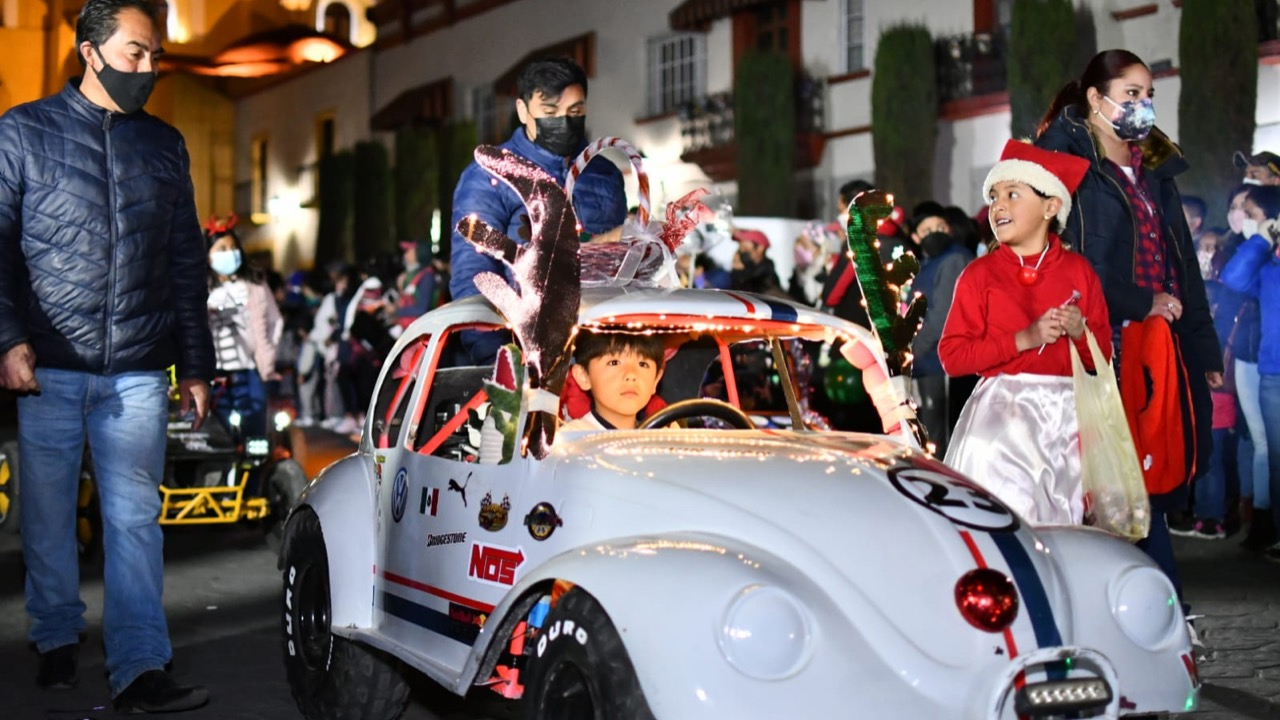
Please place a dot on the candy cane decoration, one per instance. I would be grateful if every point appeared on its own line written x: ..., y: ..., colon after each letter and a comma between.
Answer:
x: 632, y: 154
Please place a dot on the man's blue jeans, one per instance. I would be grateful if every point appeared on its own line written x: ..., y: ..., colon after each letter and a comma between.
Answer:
x: 124, y: 418
x: 1269, y: 398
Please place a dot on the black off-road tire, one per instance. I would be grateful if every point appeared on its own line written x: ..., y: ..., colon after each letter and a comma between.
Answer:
x: 331, y: 678
x: 10, y: 487
x: 579, y: 668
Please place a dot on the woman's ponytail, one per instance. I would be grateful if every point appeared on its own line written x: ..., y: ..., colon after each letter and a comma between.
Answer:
x: 1070, y: 94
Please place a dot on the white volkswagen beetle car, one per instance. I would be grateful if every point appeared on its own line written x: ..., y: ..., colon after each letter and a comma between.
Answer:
x: 749, y: 568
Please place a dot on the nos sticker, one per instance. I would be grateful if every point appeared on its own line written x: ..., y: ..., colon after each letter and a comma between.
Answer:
x: 399, y: 494
x: 955, y: 499
x: 494, y: 564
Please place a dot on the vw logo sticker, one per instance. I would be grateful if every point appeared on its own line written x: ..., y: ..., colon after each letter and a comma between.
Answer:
x: 958, y: 500
x: 399, y: 494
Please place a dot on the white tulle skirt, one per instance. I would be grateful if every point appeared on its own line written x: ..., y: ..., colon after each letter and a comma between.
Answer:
x: 1018, y: 438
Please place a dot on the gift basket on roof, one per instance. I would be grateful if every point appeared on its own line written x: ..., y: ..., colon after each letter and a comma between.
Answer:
x: 645, y: 254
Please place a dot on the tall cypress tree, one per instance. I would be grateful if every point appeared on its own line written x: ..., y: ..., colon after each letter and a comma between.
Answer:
x: 904, y: 113
x: 371, y: 207
x: 333, y: 231
x: 417, y: 180
x: 1042, y: 42
x: 1216, y: 108
x: 460, y: 140
x: 764, y: 130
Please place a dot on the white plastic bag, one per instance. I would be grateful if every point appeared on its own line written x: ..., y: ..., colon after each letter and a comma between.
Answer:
x: 1115, y: 494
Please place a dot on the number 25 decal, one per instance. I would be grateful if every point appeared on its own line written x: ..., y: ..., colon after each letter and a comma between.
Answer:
x: 958, y: 500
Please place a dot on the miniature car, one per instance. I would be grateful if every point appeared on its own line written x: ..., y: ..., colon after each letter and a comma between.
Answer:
x: 207, y: 480
x: 727, y: 569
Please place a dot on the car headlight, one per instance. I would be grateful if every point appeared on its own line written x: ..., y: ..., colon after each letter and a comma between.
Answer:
x: 234, y: 418
x: 282, y: 421
x: 766, y: 634
x: 1145, y: 606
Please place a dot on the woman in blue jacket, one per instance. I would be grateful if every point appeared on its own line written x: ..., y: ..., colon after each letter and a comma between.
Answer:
x: 1255, y: 271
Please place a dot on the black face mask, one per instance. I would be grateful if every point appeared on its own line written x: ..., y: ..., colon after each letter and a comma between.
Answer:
x: 935, y: 243
x: 561, y: 135
x: 129, y: 90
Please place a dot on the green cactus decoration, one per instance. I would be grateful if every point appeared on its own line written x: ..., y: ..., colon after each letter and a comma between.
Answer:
x: 881, y: 284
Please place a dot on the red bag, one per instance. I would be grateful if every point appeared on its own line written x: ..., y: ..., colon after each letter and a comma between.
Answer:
x: 1153, y: 388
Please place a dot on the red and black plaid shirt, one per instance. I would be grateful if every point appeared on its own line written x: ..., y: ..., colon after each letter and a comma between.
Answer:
x: 1150, y: 266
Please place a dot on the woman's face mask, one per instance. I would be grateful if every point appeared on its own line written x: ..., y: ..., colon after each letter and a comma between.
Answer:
x: 804, y: 255
x: 1249, y: 227
x: 1133, y: 119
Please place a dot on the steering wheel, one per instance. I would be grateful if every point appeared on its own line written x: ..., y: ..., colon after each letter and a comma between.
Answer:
x: 699, y: 407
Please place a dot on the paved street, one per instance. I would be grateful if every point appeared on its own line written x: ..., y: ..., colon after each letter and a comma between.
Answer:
x: 222, y: 588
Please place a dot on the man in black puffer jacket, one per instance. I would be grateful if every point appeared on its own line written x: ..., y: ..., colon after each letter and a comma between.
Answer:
x: 102, y: 288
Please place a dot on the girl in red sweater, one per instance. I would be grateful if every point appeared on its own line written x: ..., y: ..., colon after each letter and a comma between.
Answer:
x: 1015, y: 310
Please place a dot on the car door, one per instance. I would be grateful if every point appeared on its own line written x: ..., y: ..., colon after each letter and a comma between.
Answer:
x: 446, y: 514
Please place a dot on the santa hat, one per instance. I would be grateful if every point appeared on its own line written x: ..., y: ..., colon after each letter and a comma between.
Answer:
x: 1051, y: 173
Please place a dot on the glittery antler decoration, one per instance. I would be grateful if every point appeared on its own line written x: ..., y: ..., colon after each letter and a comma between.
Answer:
x: 683, y: 215
x: 881, y: 286
x: 219, y: 226
x: 543, y: 308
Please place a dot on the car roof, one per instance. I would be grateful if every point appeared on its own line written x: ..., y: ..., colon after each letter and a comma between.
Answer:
x: 726, y: 312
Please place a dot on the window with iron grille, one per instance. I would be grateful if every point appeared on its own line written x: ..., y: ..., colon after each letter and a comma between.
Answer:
x: 855, y: 37
x: 484, y: 114
x: 677, y: 71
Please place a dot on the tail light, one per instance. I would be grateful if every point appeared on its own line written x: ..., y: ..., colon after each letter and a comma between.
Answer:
x: 987, y: 599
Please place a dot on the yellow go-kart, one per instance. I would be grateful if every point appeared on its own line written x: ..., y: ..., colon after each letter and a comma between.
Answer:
x: 217, y: 474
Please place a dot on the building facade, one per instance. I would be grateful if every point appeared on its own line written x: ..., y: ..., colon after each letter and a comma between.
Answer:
x: 661, y: 75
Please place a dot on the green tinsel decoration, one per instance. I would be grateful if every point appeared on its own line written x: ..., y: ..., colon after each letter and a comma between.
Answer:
x: 881, y: 284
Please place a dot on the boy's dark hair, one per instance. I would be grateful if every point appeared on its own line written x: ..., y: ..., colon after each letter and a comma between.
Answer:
x: 1266, y: 197
x: 99, y: 20
x: 925, y: 210
x: 591, y: 345
x: 1195, y: 205
x: 853, y: 188
x: 550, y: 76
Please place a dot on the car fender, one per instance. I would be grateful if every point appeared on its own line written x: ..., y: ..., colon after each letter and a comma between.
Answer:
x: 1096, y: 565
x: 342, y: 497
x: 634, y: 580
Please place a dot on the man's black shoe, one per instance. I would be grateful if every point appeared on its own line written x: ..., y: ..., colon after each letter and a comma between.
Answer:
x: 155, y: 692
x: 57, y: 670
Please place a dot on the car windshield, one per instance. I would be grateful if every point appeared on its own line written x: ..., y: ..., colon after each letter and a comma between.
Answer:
x: 762, y: 368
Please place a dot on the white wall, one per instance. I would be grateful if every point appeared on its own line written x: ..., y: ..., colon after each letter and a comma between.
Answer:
x: 478, y: 50
x: 966, y: 151
x: 475, y: 52
x: 286, y: 114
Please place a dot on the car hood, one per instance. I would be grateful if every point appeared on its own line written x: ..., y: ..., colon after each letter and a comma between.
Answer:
x: 856, y: 513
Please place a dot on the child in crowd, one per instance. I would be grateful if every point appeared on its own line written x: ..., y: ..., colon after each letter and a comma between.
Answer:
x: 1018, y: 435
x: 620, y: 372
x: 246, y: 327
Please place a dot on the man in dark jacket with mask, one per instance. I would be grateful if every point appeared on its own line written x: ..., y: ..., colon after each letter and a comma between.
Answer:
x: 553, y: 111
x: 102, y: 287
